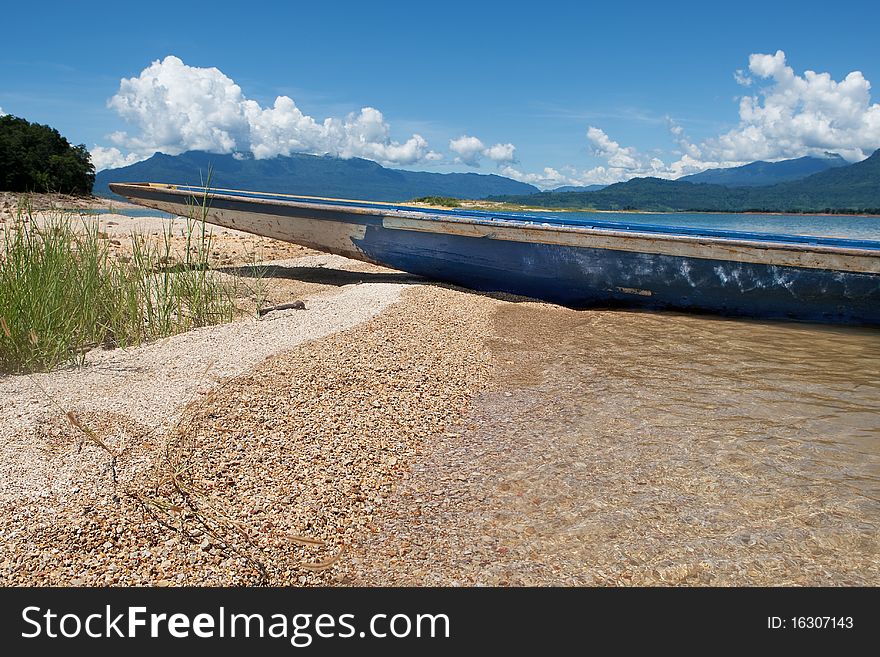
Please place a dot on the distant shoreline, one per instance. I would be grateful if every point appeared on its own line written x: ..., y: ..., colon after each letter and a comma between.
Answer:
x: 64, y: 202
x: 476, y: 205
x: 771, y: 214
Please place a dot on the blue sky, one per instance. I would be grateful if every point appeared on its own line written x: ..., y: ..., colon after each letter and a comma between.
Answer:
x: 552, y: 93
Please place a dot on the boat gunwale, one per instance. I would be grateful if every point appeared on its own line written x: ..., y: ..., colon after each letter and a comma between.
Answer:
x: 496, y: 220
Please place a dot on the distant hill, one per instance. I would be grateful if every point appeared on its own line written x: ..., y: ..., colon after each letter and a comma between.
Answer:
x: 310, y: 175
x: 852, y: 188
x: 576, y: 188
x: 767, y: 173
x: 856, y: 186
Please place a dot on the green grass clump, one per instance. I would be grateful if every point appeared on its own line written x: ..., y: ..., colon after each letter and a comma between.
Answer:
x: 62, y: 293
x: 445, y: 201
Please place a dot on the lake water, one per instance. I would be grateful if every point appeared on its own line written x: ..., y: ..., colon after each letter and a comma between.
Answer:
x: 850, y: 226
x: 663, y: 448
x: 745, y: 445
x: 623, y: 447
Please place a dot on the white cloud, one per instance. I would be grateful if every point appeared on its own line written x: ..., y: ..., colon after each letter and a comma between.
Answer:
x: 623, y: 163
x: 788, y: 116
x: 794, y: 115
x: 112, y: 158
x: 617, y: 156
x: 547, y: 179
x: 179, y: 107
x: 501, y: 153
x: 681, y: 139
x: 176, y: 108
x: 470, y: 150
x: 741, y: 78
x: 2, y: 113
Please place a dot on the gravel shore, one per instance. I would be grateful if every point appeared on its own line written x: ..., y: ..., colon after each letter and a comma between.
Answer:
x: 266, y: 478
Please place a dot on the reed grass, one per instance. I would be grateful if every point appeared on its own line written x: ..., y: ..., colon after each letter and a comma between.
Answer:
x: 63, y: 293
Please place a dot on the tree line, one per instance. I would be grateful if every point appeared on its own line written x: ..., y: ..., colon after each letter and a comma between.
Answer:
x: 37, y: 158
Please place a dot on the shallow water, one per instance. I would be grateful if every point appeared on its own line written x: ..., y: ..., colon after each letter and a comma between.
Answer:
x: 725, y: 383
x: 853, y: 227
x: 635, y: 447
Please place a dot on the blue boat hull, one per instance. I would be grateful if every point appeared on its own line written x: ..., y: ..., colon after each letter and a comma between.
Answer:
x: 581, y: 277
x: 603, y: 264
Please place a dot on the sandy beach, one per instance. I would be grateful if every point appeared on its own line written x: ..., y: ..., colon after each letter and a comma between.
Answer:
x: 397, y: 431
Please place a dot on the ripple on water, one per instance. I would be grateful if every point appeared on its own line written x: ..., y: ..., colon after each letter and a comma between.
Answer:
x: 635, y: 447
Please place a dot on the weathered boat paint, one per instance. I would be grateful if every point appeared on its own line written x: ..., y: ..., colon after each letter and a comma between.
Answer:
x: 605, y: 263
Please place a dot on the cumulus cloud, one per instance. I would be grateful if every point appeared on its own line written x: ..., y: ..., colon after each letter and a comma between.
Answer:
x: 470, y: 150
x: 112, y: 158
x: 622, y: 163
x: 548, y: 178
x: 501, y: 153
x: 176, y: 107
x: 686, y: 147
x: 616, y: 155
x: 795, y: 115
x: 2, y: 113
x: 787, y: 116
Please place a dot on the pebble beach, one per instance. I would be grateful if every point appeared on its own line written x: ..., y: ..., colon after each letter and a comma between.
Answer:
x: 400, y: 432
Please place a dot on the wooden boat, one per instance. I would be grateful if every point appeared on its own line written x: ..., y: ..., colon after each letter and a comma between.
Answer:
x: 575, y: 264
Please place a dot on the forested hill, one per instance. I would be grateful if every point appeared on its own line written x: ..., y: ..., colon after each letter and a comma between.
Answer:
x: 767, y: 173
x: 853, y: 188
x: 309, y: 175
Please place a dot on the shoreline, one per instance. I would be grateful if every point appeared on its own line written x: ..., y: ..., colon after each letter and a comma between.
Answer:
x: 61, y: 202
x: 712, y: 212
x: 616, y: 450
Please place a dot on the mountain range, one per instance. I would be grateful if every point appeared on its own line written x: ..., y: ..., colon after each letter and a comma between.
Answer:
x: 799, y: 185
x: 762, y: 173
x: 309, y: 175
x: 850, y: 188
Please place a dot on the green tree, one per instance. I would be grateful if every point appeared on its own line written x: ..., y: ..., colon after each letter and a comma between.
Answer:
x: 36, y: 158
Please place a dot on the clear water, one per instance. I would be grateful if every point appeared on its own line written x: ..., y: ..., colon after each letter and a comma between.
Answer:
x: 652, y: 448
x: 635, y: 447
x: 849, y: 226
